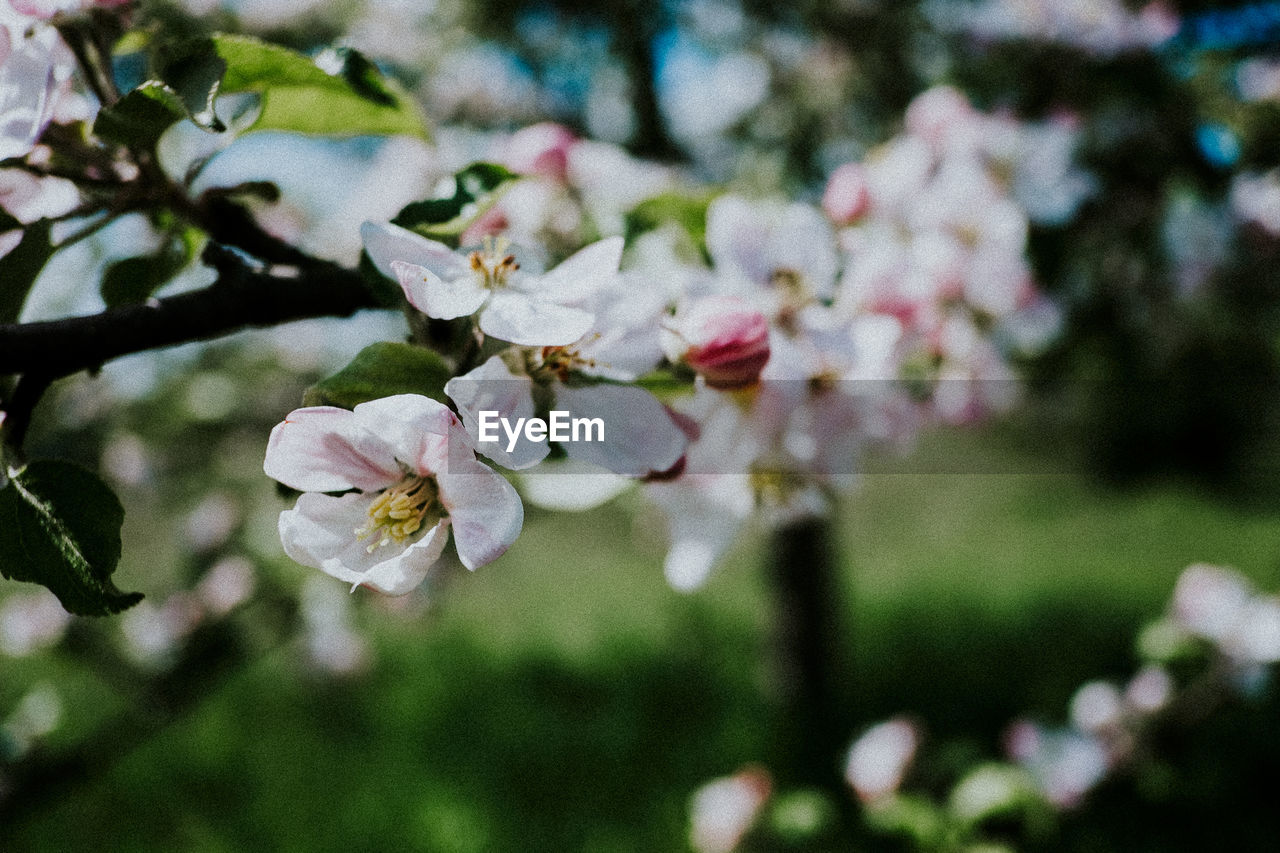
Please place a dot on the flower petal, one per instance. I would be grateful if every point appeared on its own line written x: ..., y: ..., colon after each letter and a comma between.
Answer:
x: 520, y: 319
x: 387, y: 243
x: 582, y: 274
x: 484, y: 509
x: 436, y: 297
x: 492, y: 387
x: 640, y: 438
x: 420, y: 431
x: 320, y: 532
x: 325, y: 449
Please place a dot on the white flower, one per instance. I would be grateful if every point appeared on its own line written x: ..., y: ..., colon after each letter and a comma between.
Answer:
x: 880, y: 758
x: 640, y: 437
x: 408, y: 474
x: 530, y: 310
x: 783, y: 252
x: 35, y: 69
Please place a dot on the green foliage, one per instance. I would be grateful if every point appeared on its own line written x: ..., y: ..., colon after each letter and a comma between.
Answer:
x: 382, y: 370
x: 20, y: 268
x: 476, y: 189
x: 687, y: 211
x: 60, y: 527
x: 134, y: 280
x: 295, y: 93
x: 139, y: 118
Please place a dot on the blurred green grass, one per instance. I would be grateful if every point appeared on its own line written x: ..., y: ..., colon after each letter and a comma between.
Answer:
x: 565, y: 698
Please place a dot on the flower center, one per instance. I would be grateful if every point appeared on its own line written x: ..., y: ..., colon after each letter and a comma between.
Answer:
x: 795, y: 294
x: 492, y: 265
x: 401, y: 511
x: 774, y: 487
x: 557, y: 362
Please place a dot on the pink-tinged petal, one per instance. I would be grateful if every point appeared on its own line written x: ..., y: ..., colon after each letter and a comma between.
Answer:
x: 803, y: 240
x: 33, y: 79
x: 403, y: 573
x: 492, y: 387
x: 581, y: 275
x: 420, y: 431
x: 320, y: 532
x: 726, y: 340
x: 436, y: 297
x: 484, y: 509
x: 517, y: 318
x: 640, y: 438
x: 387, y: 243
x: 324, y: 449
x: 540, y: 149
x: 738, y: 238
x: 846, y: 197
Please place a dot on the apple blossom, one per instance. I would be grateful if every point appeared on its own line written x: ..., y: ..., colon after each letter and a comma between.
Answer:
x: 540, y: 149
x: 640, y: 436
x: 47, y: 9
x: 880, y: 758
x: 530, y: 310
x: 723, y: 339
x: 35, y: 69
x: 723, y: 810
x: 408, y: 475
x: 845, y: 197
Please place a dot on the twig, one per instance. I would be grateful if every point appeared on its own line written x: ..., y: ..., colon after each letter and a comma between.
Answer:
x: 239, y: 299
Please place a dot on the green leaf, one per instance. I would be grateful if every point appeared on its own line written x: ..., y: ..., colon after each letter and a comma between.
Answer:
x: 382, y: 370
x: 476, y: 189
x: 687, y: 211
x: 60, y: 527
x: 133, y: 280
x: 140, y: 118
x: 20, y: 268
x: 194, y: 72
x: 295, y: 93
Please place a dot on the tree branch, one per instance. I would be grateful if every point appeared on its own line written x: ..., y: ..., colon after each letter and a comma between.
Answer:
x: 239, y: 299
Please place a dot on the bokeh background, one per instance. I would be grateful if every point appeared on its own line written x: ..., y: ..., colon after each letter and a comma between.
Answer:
x: 565, y: 698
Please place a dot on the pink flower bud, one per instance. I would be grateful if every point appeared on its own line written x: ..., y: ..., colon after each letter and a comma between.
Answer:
x: 540, y: 149
x: 728, y: 341
x: 846, y: 197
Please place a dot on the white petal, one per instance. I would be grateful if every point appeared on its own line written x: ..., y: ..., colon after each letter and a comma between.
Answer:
x: 436, y: 297
x: 738, y: 238
x: 804, y: 241
x: 325, y: 449
x: 320, y: 532
x: 582, y: 274
x: 568, y: 485
x: 422, y: 432
x: 484, y: 509
x: 640, y: 438
x: 492, y: 387
x: 387, y: 243
x: 529, y: 322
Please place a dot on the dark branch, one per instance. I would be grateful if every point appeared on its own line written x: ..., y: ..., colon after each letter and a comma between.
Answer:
x: 239, y: 299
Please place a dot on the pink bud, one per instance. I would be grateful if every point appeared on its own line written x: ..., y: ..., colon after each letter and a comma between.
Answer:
x: 846, y: 197
x: 728, y: 341
x: 938, y: 112
x: 540, y: 149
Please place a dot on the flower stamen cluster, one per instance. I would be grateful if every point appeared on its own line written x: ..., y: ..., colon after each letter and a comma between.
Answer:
x: 400, y: 511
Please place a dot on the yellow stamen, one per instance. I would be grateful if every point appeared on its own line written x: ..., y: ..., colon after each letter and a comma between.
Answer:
x: 401, y: 511
x: 492, y: 264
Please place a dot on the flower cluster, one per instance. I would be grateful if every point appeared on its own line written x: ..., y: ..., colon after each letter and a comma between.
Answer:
x: 786, y: 337
x: 1219, y: 635
x: 1100, y: 27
